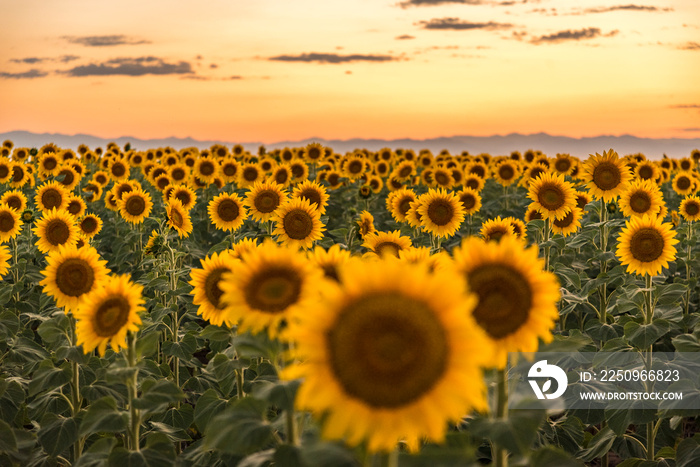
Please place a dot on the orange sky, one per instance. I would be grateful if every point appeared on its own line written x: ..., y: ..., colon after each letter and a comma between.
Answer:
x: 268, y: 70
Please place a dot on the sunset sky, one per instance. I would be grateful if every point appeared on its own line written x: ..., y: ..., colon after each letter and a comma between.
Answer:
x: 269, y: 70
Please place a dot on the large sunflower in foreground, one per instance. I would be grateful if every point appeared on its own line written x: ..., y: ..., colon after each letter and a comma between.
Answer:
x: 107, y: 313
x: 391, y: 353
x: 5, y: 257
x: 517, y: 299
x: 268, y: 287
x: 645, y: 245
x: 55, y: 229
x: 226, y: 212
x: 298, y: 223
x: 606, y: 176
x: 206, y: 291
x: 71, y: 273
x: 552, y: 195
x: 441, y: 212
x: 178, y: 218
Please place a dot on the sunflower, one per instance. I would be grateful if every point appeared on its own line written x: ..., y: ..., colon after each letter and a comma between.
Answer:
x: 531, y: 172
x: 474, y: 182
x: 441, y: 212
x: 382, y: 356
x: 178, y: 218
x: 282, y: 175
x: 519, y: 227
x: 334, y: 179
x: 10, y: 225
x: 506, y: 172
x: 5, y: 257
x: 206, y: 169
x: 21, y: 175
x: 205, y: 282
x: 269, y: 286
x: 645, y: 245
x: 569, y: 223
x: 56, y: 228
x: 51, y: 195
x: 442, y: 177
x: 582, y: 199
x: 314, y: 193
x: 249, y: 173
x: 375, y: 183
x: 300, y: 171
x: 497, y: 228
x: 226, y: 212
x: 5, y: 170
x: 69, y: 177
x: 690, y: 208
x: 93, y: 192
x: 185, y: 194
x: 365, y: 225
x: 90, y: 225
x: 517, y: 303
x: 563, y: 164
x: 684, y: 183
x: 329, y: 261
x: 107, y: 313
x: 354, y: 166
x: 71, y: 273
x: 48, y: 165
x: 263, y: 199
x: 647, y: 170
x: 642, y: 197
x: 532, y: 213
x: 552, y: 195
x: 135, y: 206
x: 242, y: 247
x: 298, y: 223
x: 399, y: 202
x: 389, y: 243
x: 14, y: 199
x: 606, y: 176
x: 229, y: 169
x: 404, y: 171
x: 471, y: 201
x: 119, y: 169
x: 76, y: 206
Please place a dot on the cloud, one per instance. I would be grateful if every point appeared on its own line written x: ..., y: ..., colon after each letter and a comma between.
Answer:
x: 691, y: 129
x: 104, y: 41
x: 332, y: 58
x: 457, y: 24
x: 132, y: 67
x: 404, y: 37
x: 625, y: 7
x: 33, y: 73
x: 685, y: 106
x: 35, y: 60
x: 410, y: 3
x: 569, y: 35
x: 690, y: 46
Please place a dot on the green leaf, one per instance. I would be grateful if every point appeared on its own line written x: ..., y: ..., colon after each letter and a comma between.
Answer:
x: 48, y: 377
x: 598, y: 445
x: 158, y: 397
x: 103, y: 416
x: 552, y: 456
x: 288, y: 456
x: 208, y: 405
x: 54, y: 330
x: 688, y: 452
x: 644, y: 335
x: 670, y: 293
x: 184, y: 349
x: 174, y: 434
x: 686, y: 343
x: 9, y: 323
x: 8, y: 442
x: 240, y: 429
x: 57, y: 434
x: 618, y: 420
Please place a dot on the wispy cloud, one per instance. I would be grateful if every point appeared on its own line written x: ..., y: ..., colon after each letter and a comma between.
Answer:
x: 569, y: 35
x: 690, y: 46
x: 691, y: 129
x: 33, y: 73
x: 35, y: 60
x: 105, y: 41
x: 457, y: 24
x: 410, y: 3
x: 132, y: 67
x: 332, y: 58
x: 626, y: 8
x: 404, y: 37
x: 685, y: 106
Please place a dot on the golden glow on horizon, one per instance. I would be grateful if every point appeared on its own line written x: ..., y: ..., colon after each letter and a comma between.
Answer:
x: 442, y: 82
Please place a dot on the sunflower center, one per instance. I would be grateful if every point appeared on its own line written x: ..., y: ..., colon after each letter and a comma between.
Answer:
x: 692, y: 209
x: 647, y: 245
x: 683, y: 182
x: 206, y: 168
x: 505, y: 299
x: 184, y: 197
x: 281, y: 177
x: 51, y: 198
x: 50, y: 163
x: 57, y: 232
x: 473, y: 184
x: 68, y: 177
x: 74, y: 207
x: 118, y: 170
x: 388, y: 248
x: 273, y: 290
x: 312, y: 195
x: 14, y: 202
x: 562, y: 165
x: 565, y: 221
x: 551, y: 197
x: 387, y: 349
x: 405, y: 205
x: 176, y: 218
x: 646, y: 172
x: 331, y: 271
x: 111, y: 316
x: 468, y: 201
x: 228, y: 210
x: 17, y: 174
x: 478, y: 170
x: 355, y: 167
x: 211, y: 287
x: 135, y: 206
x: 333, y: 179
x: 4, y: 171
x: 405, y: 171
x: 506, y: 172
x: 178, y: 174
x: 297, y: 224
x: 266, y: 201
x: 640, y: 202
x: 442, y: 178
x: 496, y: 233
x: 314, y: 153
x: 7, y: 222
x: 229, y: 170
x: 607, y: 176
x: 250, y: 174
x: 440, y: 212
x: 75, y: 277
x: 88, y: 225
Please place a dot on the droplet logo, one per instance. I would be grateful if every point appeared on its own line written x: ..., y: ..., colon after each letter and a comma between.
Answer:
x: 542, y: 370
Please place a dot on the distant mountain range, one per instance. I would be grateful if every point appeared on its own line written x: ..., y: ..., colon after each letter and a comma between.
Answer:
x: 494, y: 145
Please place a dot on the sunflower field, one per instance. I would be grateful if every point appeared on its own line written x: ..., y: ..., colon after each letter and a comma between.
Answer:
x: 299, y: 307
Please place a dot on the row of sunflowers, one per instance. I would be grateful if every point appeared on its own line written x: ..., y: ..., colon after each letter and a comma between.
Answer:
x: 302, y: 307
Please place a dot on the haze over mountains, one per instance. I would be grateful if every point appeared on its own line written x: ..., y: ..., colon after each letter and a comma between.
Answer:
x: 494, y: 145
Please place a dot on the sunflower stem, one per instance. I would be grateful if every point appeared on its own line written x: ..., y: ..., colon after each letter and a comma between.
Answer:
x: 687, y: 268
x: 649, y: 316
x: 76, y: 401
x: 547, y: 247
x: 603, y: 288
x: 499, y: 454
x: 134, y: 413
x: 291, y: 427
x: 389, y: 459
x: 505, y: 197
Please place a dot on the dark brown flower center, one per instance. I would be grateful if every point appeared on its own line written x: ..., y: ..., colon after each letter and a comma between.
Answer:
x: 211, y: 287
x: 297, y: 224
x: 51, y: 198
x: 110, y: 316
x: 135, y: 205
x: 273, y: 290
x: 75, y: 277
x: 57, y: 232
x: 441, y: 212
x: 7, y: 221
x: 228, y: 210
x: 266, y: 201
x: 640, y: 202
x: 607, y: 176
x: 88, y: 225
x: 647, y: 245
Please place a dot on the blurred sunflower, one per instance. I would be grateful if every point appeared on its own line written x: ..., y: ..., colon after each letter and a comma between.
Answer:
x: 354, y: 167
x: 365, y: 225
x: 242, y: 247
x: 495, y: 229
x: 641, y: 197
x: 68, y: 177
x: 404, y: 171
x: 90, y: 225
x: 647, y: 170
x: 268, y: 287
x: 474, y: 182
x: 206, y: 291
x: 314, y: 193
x: 206, y: 169
x: 399, y: 202
x: 226, y: 212
x: 690, y: 208
x: 178, y: 218
x: 441, y: 212
x: 300, y: 171
x: 298, y: 223
x: 71, y: 273
x: 14, y: 199
x: 552, y: 195
x: 382, y: 355
x: 107, y: 313
x: 471, y: 201
x: 48, y: 165
x: 119, y: 169
x: 517, y: 303
x: 329, y: 261
x: 229, y: 169
x: 51, y: 195
x: 56, y: 228
x: 606, y: 175
x: 684, y: 183
x: 179, y: 173
x: 5, y: 257
x: 5, y: 170
x: 582, y: 199
x: 10, y: 225
x: 389, y: 243
x: 21, y: 175
x: 75, y: 205
x: 263, y: 199
x: 506, y: 172
x: 563, y: 164
x: 519, y: 228
x: 442, y: 177
x: 568, y: 224
x: 375, y: 183
x: 282, y: 175
x: 185, y: 194
x: 135, y: 206
x: 249, y: 174
x: 645, y: 245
